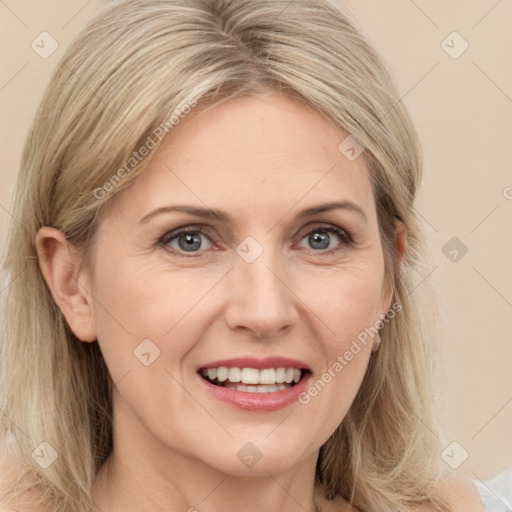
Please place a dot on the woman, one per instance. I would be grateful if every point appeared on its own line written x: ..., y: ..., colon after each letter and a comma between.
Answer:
x: 213, y: 274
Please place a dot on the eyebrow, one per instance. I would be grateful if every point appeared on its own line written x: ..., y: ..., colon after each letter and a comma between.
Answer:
x: 223, y: 216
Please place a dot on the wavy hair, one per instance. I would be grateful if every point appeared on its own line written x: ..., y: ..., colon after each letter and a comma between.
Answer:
x: 127, y: 78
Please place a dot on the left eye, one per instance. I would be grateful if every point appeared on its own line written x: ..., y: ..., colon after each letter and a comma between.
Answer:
x: 321, y: 238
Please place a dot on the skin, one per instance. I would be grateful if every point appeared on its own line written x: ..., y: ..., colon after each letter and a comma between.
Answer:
x: 263, y: 159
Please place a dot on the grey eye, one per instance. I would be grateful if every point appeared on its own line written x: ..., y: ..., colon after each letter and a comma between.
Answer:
x: 188, y: 241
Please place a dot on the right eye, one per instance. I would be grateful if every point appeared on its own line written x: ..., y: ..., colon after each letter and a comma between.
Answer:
x: 185, y: 240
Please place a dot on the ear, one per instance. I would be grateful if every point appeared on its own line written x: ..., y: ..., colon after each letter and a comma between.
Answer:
x: 399, y: 245
x: 60, y: 265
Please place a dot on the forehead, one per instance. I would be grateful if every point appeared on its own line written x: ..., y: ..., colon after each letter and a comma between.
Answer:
x: 257, y: 154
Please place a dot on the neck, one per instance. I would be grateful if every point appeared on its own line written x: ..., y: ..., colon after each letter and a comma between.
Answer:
x: 142, y: 473
x: 127, y: 487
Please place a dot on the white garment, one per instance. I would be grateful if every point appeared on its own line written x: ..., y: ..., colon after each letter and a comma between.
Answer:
x: 496, y: 494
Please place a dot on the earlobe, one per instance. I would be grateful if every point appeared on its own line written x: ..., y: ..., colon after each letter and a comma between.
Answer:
x: 60, y: 266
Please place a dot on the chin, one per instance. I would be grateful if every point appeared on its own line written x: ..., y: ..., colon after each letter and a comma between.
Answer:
x: 258, y: 456
x: 268, y: 464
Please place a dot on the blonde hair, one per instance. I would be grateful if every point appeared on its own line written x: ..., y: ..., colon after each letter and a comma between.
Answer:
x: 131, y: 74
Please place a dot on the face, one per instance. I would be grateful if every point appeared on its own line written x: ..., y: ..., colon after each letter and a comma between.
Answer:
x: 266, y: 286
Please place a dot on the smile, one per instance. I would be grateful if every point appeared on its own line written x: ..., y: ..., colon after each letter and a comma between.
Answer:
x: 255, y: 384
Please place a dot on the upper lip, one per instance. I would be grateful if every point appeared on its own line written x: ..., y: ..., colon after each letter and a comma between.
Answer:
x: 258, y: 363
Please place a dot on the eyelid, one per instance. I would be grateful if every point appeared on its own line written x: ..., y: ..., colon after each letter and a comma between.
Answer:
x: 326, y: 226
x: 172, y: 233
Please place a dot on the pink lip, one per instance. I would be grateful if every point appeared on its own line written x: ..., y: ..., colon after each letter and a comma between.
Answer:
x: 257, y: 402
x: 260, y: 364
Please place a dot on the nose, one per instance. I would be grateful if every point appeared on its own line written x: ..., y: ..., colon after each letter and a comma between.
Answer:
x: 261, y: 301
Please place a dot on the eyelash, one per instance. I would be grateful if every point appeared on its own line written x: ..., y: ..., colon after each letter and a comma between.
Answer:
x: 345, y: 237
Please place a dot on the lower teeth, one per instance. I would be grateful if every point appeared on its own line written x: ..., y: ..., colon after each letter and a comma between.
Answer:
x: 260, y: 388
x: 251, y: 388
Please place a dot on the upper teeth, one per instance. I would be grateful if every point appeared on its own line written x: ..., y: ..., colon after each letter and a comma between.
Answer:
x: 253, y: 375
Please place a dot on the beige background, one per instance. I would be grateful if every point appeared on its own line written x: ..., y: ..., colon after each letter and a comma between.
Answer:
x: 463, y: 111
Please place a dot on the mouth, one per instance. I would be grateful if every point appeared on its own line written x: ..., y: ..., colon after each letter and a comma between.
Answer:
x: 254, y: 380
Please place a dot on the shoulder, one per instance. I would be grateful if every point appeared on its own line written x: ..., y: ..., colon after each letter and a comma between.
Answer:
x: 459, y: 491
x: 461, y: 494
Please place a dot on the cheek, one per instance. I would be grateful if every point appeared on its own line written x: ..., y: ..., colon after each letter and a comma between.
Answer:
x: 135, y: 301
x: 347, y: 304
x: 347, y: 301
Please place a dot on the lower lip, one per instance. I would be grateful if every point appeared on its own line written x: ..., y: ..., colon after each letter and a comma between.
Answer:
x: 262, y: 402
